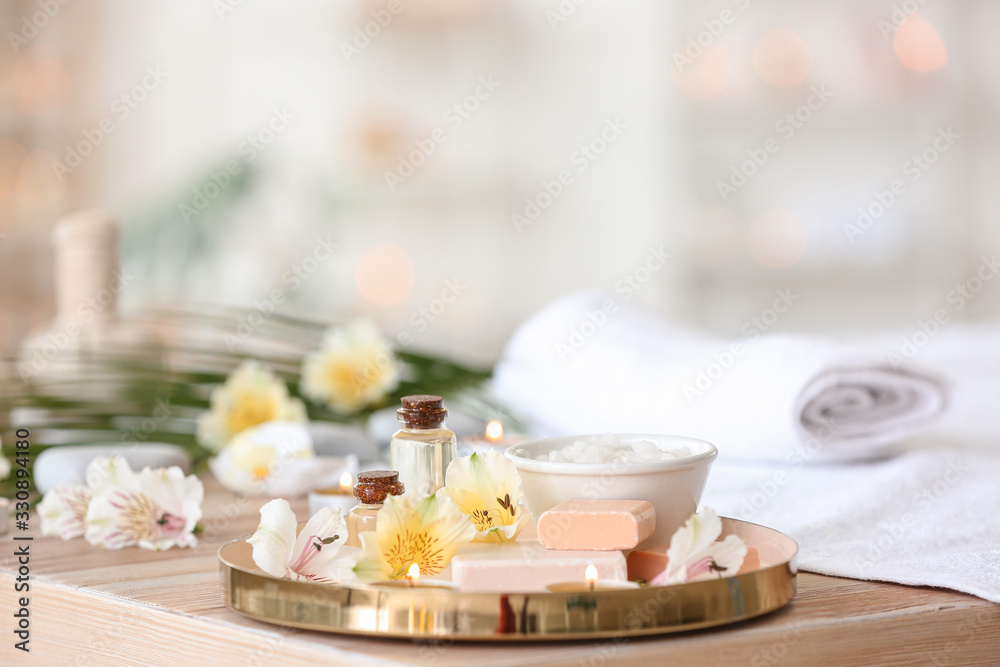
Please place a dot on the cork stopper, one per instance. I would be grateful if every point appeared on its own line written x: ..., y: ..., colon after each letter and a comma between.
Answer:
x: 422, y: 411
x: 374, y: 485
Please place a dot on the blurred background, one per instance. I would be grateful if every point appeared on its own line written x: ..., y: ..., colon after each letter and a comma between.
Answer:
x: 448, y: 167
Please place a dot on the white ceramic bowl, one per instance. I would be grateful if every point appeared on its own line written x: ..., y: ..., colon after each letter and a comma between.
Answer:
x: 673, y: 487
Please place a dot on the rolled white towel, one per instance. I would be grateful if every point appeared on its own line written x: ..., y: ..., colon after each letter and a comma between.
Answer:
x: 590, y: 364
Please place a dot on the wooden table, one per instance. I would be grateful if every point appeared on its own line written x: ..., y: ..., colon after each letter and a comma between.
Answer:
x: 136, y: 607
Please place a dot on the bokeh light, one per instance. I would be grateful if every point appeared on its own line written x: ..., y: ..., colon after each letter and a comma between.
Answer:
x: 384, y: 275
x: 777, y: 240
x: 706, y: 76
x: 782, y: 58
x: 919, y: 46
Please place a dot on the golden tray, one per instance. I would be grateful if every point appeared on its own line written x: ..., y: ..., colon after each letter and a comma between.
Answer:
x: 448, y: 614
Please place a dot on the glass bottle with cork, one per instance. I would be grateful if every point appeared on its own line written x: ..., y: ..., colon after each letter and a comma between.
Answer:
x: 371, y: 490
x: 423, y: 447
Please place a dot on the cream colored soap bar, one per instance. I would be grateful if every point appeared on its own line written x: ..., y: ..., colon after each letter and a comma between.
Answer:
x: 597, y: 525
x: 525, y: 567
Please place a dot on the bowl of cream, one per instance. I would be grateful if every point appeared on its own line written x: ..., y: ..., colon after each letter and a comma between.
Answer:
x: 668, y: 471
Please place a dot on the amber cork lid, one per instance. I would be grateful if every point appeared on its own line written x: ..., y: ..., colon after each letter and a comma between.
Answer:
x: 422, y: 411
x: 374, y: 485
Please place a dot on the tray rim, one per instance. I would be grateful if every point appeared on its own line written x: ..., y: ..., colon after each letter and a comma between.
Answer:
x: 778, y: 580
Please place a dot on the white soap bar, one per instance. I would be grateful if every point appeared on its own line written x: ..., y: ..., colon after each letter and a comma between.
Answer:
x: 525, y: 567
x: 67, y: 464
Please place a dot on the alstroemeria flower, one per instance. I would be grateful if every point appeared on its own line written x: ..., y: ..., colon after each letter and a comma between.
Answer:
x: 316, y: 554
x: 271, y: 459
x: 252, y: 395
x: 487, y: 488
x: 154, y: 509
x: 64, y: 511
x: 426, y: 531
x: 695, y: 555
x: 354, y: 368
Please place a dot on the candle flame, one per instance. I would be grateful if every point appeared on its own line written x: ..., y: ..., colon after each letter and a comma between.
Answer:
x: 494, y: 430
x: 591, y: 575
x: 413, y: 574
x: 346, y: 481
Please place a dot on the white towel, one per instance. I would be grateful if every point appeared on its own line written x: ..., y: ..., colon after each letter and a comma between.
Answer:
x: 926, y: 518
x: 588, y: 364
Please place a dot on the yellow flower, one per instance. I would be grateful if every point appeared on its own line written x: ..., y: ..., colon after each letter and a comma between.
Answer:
x: 487, y: 488
x: 354, y: 368
x: 252, y: 395
x: 423, y: 530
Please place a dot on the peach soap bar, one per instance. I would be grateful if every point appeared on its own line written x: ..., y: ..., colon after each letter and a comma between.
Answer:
x: 527, y: 567
x: 597, y: 525
x: 646, y: 564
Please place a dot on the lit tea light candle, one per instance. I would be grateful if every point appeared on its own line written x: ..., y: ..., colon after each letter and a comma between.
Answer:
x: 591, y: 584
x: 494, y: 430
x: 412, y: 580
x: 412, y: 575
x: 492, y: 437
x: 340, y: 496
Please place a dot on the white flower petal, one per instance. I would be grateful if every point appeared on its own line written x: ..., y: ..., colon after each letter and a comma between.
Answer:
x: 338, y: 567
x: 64, y: 511
x: 272, y: 542
x: 326, y: 523
x: 694, y: 553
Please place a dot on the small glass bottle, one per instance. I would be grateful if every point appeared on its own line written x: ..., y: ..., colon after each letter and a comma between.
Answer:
x: 371, y: 489
x: 422, y: 449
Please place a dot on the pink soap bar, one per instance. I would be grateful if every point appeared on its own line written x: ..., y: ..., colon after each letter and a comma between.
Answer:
x: 647, y: 563
x: 525, y: 567
x: 597, y: 525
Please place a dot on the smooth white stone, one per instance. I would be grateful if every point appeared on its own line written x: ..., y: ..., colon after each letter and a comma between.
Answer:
x: 67, y: 464
x: 332, y: 439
